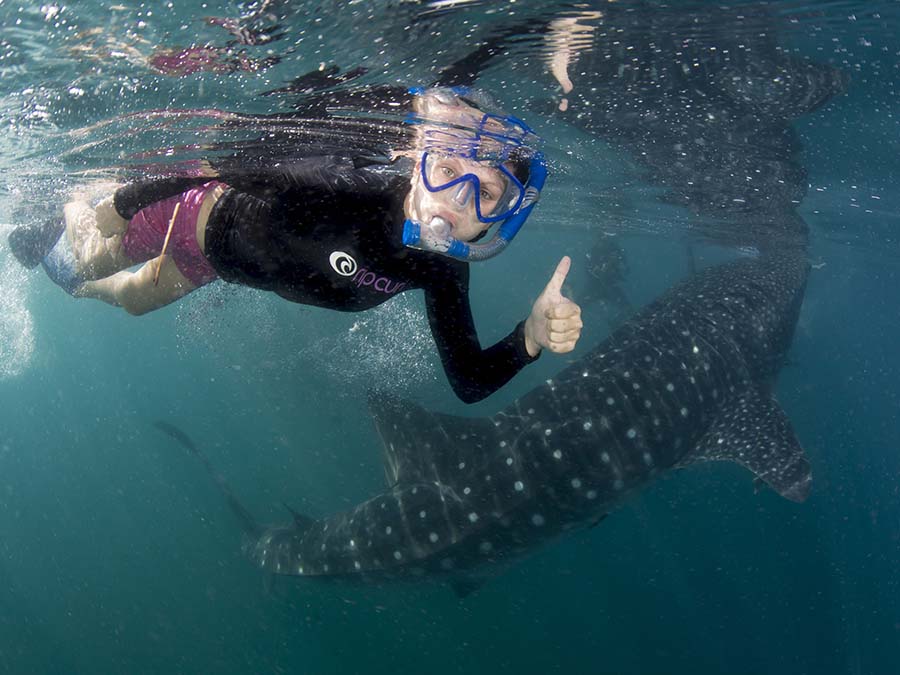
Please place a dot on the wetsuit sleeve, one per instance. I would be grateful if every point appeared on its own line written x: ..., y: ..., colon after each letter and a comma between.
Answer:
x: 317, y: 175
x: 131, y: 198
x: 327, y: 173
x: 474, y: 373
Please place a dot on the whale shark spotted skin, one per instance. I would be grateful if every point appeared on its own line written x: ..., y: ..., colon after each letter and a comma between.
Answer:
x: 688, y: 379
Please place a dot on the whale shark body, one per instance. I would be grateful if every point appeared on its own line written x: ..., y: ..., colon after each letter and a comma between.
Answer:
x: 688, y: 379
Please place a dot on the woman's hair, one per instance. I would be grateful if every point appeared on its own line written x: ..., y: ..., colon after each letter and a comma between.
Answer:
x: 519, y: 163
x: 364, y: 124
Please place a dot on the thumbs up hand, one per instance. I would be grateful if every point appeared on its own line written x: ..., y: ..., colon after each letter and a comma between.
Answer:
x: 555, y: 321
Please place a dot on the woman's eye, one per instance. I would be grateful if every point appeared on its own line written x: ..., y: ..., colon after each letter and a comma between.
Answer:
x: 486, y: 196
x: 448, y: 172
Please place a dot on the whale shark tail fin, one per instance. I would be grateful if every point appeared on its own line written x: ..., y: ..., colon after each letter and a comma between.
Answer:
x: 246, y: 520
x: 755, y: 432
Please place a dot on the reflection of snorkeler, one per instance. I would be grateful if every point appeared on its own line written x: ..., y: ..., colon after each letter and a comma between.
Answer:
x: 341, y: 232
x: 607, y: 270
x: 99, y: 44
x: 180, y: 61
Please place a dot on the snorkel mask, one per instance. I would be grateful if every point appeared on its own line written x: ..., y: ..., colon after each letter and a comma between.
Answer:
x: 497, y: 143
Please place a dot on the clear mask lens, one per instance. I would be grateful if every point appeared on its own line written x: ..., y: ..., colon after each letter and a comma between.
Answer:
x: 495, y: 192
x: 463, y: 194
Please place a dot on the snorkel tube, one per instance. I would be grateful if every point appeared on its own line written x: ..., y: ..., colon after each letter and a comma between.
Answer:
x: 435, y: 237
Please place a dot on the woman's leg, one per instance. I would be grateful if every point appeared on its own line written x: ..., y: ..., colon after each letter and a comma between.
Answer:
x: 136, y: 292
x: 97, y: 256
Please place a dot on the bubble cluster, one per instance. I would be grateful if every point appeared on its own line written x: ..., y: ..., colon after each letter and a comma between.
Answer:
x: 16, y: 323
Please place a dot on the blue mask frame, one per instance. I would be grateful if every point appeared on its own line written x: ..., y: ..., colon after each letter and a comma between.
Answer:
x: 471, y: 178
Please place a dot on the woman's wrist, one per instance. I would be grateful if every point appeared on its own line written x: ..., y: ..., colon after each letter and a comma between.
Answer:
x: 531, y: 345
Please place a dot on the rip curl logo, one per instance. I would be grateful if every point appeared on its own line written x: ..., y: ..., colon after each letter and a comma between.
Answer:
x: 343, y: 263
x: 383, y: 284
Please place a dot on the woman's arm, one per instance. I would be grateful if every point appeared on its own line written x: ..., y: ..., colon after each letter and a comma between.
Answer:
x: 554, y: 323
x: 473, y: 372
x: 132, y: 197
x: 318, y: 174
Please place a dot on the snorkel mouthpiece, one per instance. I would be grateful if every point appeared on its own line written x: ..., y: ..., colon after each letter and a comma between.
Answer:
x: 433, y: 236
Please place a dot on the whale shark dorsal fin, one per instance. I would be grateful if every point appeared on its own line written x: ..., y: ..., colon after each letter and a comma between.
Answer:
x: 754, y: 432
x: 423, y: 446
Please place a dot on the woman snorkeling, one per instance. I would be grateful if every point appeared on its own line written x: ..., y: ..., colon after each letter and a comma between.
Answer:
x: 346, y: 231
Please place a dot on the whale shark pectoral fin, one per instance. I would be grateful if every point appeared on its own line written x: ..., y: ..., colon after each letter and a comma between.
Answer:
x: 754, y: 432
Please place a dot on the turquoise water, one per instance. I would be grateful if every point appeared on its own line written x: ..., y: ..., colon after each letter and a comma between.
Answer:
x: 117, y: 553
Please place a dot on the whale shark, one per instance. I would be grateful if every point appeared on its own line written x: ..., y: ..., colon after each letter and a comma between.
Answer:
x: 688, y: 379
x: 704, y: 101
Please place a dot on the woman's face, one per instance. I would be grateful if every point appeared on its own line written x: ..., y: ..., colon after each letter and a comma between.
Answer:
x: 452, y: 119
x: 455, y: 204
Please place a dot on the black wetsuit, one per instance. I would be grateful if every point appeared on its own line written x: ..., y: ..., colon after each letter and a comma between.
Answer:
x: 325, y: 231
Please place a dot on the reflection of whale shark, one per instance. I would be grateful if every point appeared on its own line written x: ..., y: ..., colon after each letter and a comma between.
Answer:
x: 703, y: 101
x: 688, y: 379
